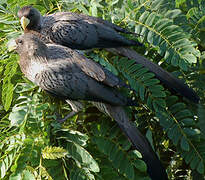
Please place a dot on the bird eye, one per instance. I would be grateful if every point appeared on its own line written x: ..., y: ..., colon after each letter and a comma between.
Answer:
x: 20, y: 41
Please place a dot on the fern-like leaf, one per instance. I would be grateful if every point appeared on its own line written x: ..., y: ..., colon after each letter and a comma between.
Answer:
x: 173, y: 43
x: 116, y: 156
x: 142, y: 81
x: 45, y: 174
x: 7, y: 160
x: 8, y: 87
x: 180, y: 126
x: 53, y: 152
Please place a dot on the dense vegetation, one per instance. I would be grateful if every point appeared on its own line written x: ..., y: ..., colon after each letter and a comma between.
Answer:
x: 90, y: 145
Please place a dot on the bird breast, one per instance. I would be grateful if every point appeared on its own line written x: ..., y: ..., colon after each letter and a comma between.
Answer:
x: 33, y: 69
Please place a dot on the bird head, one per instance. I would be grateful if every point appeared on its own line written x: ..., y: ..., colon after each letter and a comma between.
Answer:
x: 28, y: 45
x: 30, y: 17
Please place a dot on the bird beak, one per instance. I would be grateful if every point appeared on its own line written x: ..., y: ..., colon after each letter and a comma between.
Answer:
x: 12, y: 45
x: 24, y: 22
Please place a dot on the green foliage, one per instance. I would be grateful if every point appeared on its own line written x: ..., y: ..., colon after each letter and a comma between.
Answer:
x: 90, y: 145
x: 143, y: 82
x: 8, y: 87
x: 172, y: 42
x: 114, y: 149
x: 116, y: 156
x: 53, y: 152
x: 180, y: 126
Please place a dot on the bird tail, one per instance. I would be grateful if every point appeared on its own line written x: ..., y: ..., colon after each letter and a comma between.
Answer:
x: 154, y: 167
x: 165, y: 77
x: 123, y: 30
x: 135, y: 43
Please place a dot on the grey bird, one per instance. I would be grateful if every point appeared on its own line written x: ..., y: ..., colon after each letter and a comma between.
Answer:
x: 67, y: 74
x: 77, y: 31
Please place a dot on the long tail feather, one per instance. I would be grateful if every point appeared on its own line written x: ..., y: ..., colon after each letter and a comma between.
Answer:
x: 165, y: 77
x: 154, y: 167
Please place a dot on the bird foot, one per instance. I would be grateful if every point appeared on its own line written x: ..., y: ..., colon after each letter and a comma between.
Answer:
x: 61, y: 120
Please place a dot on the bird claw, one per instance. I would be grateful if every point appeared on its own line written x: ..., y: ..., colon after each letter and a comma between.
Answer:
x: 61, y: 120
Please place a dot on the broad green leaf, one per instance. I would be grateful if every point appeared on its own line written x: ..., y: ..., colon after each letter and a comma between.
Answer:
x: 81, y: 155
x: 177, y: 107
x: 141, y: 92
x: 172, y: 130
x: 15, y: 177
x: 194, y: 163
x: 190, y: 58
x: 144, y: 16
x: 200, y: 168
x: 159, y: 94
x: 183, y: 114
x: 150, y: 19
x: 151, y: 82
x: 9, y: 96
x: 81, y: 174
x: 188, y: 122
x: 140, y: 165
x: 71, y: 135
x: 27, y: 175
x: 189, y: 156
x: 17, y: 116
x: 171, y: 14
x: 191, y: 132
x: 184, y: 144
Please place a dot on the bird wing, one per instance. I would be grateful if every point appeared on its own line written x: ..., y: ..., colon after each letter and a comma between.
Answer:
x: 74, y: 34
x: 67, y: 82
x: 70, y: 29
x: 99, y: 73
x: 53, y: 80
x: 91, y: 68
x: 63, y: 16
x: 88, y: 66
x: 64, y: 80
x: 78, y: 31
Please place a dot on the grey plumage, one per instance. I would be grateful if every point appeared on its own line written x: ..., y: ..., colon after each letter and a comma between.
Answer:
x: 69, y: 75
x: 77, y: 31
